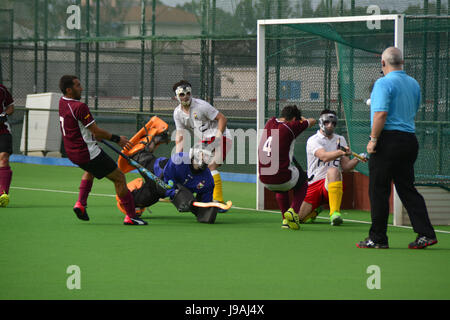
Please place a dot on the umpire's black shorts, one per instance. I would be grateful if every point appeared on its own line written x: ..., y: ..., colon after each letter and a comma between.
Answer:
x: 100, y: 166
x: 6, y: 143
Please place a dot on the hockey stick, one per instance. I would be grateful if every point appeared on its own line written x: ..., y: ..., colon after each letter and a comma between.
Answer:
x: 224, y: 206
x: 142, y: 170
x: 359, y: 157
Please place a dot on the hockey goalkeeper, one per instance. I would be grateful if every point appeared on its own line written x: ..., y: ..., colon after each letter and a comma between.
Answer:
x: 187, y: 172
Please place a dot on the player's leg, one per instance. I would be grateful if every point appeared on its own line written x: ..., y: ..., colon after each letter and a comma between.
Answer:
x: 5, y: 169
x: 220, y: 155
x: 125, y: 197
x: 313, y: 199
x: 85, y: 188
x: 335, y: 190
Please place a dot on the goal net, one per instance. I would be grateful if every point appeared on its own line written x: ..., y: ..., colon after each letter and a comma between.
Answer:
x: 332, y: 63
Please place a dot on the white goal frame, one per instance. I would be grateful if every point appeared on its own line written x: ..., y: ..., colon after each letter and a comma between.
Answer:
x: 398, y: 20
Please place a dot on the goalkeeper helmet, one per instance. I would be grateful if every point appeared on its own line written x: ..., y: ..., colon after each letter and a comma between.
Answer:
x: 324, y: 120
x: 201, y: 155
x: 181, y: 91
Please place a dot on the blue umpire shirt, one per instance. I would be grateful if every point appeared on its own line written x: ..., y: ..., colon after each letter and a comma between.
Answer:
x: 178, y: 169
x: 399, y: 95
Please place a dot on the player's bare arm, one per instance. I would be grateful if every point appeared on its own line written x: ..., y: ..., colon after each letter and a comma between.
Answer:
x: 179, y: 141
x: 327, y: 156
x: 101, y: 134
x: 9, y: 109
x: 348, y: 164
x: 221, y: 124
x: 311, y: 121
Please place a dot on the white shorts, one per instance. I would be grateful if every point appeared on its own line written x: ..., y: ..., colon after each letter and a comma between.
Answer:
x: 288, y: 185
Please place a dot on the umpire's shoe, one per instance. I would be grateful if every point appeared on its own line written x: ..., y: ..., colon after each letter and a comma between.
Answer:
x: 80, y: 211
x: 369, y: 244
x: 134, y: 221
x: 422, y: 242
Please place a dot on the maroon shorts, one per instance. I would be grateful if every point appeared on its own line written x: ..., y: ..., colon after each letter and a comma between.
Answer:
x: 100, y: 166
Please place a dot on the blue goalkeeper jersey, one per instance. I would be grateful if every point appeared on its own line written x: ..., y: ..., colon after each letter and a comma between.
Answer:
x: 178, y: 169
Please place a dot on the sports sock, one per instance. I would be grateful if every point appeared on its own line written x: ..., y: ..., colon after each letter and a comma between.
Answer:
x: 128, y: 203
x: 283, y: 201
x: 5, y: 179
x: 299, y: 196
x: 217, y: 193
x: 335, y: 192
x: 85, y: 188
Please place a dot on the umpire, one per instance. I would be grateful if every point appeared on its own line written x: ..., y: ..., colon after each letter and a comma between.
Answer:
x: 393, y: 146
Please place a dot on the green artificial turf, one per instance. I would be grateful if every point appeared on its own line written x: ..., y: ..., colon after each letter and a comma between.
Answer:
x: 244, y: 255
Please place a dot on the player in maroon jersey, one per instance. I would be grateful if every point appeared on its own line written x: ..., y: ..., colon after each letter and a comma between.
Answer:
x: 6, y: 109
x: 80, y: 135
x: 275, y: 162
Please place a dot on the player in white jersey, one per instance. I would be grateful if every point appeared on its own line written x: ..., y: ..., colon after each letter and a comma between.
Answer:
x: 326, y: 160
x: 207, y: 124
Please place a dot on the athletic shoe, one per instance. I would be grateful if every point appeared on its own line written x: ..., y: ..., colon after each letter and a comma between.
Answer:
x: 134, y: 221
x: 80, y: 211
x: 292, y: 219
x: 336, y: 219
x: 220, y: 210
x: 4, y: 200
x: 422, y: 242
x: 368, y: 243
x: 285, y: 224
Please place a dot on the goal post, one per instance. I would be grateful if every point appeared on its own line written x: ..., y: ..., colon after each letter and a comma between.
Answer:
x: 262, y: 25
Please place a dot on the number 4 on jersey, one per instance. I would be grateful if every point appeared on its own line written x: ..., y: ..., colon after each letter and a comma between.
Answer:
x: 268, y: 146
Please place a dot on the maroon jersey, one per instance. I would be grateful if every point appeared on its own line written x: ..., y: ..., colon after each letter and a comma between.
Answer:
x: 5, y: 101
x: 79, y: 143
x: 276, y: 149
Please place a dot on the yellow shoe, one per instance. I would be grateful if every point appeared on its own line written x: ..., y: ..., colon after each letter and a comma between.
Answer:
x: 4, y: 199
x: 292, y: 219
x: 312, y: 215
x: 285, y: 224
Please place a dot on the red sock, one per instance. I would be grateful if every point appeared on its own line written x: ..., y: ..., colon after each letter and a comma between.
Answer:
x: 128, y: 203
x: 85, y: 188
x: 283, y: 201
x: 299, y: 196
x: 5, y: 179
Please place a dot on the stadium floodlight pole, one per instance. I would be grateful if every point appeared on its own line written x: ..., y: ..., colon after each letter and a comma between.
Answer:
x: 398, y: 20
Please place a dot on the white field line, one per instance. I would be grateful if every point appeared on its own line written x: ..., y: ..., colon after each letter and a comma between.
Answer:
x: 239, y: 208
